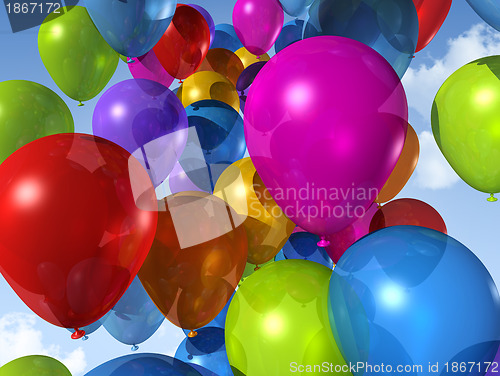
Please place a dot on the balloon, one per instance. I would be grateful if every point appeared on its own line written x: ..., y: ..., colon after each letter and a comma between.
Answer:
x: 225, y: 37
x: 389, y: 27
x: 81, y: 193
x: 465, y: 123
x: 267, y: 227
x: 304, y: 246
x: 185, y: 43
x: 29, y: 111
x: 295, y: 8
x: 248, y: 58
x: 131, y: 27
x: 494, y: 367
x: 325, y: 141
x: 208, y: 18
x: 224, y: 62
x: 291, y: 33
x: 400, y: 295
x: 148, y: 67
x: 489, y: 11
x: 431, y: 15
x: 257, y: 24
x: 178, y: 181
x: 206, y: 352
x: 208, y: 85
x: 404, y: 168
x: 196, y: 260
x: 134, y: 318
x: 218, y: 322
x: 346, y: 237
x: 144, y: 364
x: 76, y: 56
x: 147, y: 120
x: 276, y: 320
x: 247, y: 77
x: 251, y: 268
x: 88, y: 329
x: 407, y: 211
x: 34, y: 365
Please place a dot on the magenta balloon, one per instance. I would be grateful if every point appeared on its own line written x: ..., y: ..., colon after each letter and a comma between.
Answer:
x: 325, y: 122
x: 340, y: 241
x: 148, y: 67
x: 258, y: 24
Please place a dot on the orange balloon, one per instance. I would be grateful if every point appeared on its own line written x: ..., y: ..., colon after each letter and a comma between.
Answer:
x: 224, y: 62
x: 196, y: 260
x: 404, y: 168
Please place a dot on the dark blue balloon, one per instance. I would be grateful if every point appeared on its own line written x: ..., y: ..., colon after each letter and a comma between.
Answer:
x: 144, y: 364
x: 134, y: 318
x: 304, y: 246
x: 225, y: 37
x: 131, y: 27
x: 390, y: 27
x: 412, y: 296
x: 206, y: 352
x: 488, y: 10
x: 291, y: 33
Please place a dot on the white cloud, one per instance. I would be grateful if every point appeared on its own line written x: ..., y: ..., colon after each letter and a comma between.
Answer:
x: 19, y: 337
x: 433, y: 171
x: 423, y: 82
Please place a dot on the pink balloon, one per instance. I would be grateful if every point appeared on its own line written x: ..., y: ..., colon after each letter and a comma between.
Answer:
x: 147, y: 66
x: 325, y: 122
x: 258, y: 24
x: 340, y: 241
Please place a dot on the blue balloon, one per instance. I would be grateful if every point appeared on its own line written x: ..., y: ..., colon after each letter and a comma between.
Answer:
x: 304, y: 246
x: 131, y: 27
x: 390, y: 27
x: 225, y: 37
x: 134, y: 318
x: 414, y: 297
x: 89, y: 329
x: 488, y: 10
x: 279, y: 256
x: 206, y: 352
x: 144, y: 364
x: 295, y: 7
x: 291, y: 33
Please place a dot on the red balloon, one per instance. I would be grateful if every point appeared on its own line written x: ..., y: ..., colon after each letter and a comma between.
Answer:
x: 407, y: 211
x: 78, y: 216
x: 185, y: 43
x: 431, y: 15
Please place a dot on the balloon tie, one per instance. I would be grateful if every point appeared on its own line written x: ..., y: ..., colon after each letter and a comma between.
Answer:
x: 492, y: 198
x: 130, y: 60
x: 134, y: 348
x: 323, y: 242
x: 258, y: 57
x: 80, y: 104
x: 181, y: 82
x: 85, y: 337
x: 192, y: 334
x: 79, y: 333
x: 379, y: 205
x: 257, y: 267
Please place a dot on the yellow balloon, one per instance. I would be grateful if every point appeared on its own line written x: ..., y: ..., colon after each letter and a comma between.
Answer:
x: 267, y: 227
x: 208, y: 85
x: 248, y: 58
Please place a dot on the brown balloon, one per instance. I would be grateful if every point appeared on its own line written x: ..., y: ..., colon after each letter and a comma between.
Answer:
x: 404, y: 168
x: 224, y: 62
x: 407, y: 211
x: 196, y: 260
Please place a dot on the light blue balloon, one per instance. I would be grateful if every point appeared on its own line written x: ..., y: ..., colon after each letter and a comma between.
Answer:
x: 131, y: 27
x: 409, y: 295
x: 488, y: 10
x: 390, y: 27
x: 291, y: 33
x: 295, y: 7
x: 134, y: 318
x: 225, y: 37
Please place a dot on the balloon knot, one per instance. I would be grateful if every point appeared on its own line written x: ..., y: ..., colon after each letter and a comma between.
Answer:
x: 258, y: 57
x: 181, y: 82
x: 134, y: 348
x: 80, y: 104
x: 85, y: 337
x: 130, y: 60
x: 79, y: 333
x: 379, y: 205
x: 492, y: 198
x: 257, y: 267
x: 192, y: 334
x: 323, y: 242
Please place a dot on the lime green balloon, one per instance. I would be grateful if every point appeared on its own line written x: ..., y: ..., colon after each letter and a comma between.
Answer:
x: 77, y: 57
x: 29, y: 111
x: 34, y: 365
x: 466, y: 123
x: 278, y: 321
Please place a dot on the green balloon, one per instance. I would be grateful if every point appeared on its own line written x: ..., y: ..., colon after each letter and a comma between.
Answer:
x: 34, y: 365
x: 77, y: 57
x: 466, y: 123
x: 278, y: 322
x: 29, y: 111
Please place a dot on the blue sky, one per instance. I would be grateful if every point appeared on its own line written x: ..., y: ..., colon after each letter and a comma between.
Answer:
x: 469, y: 217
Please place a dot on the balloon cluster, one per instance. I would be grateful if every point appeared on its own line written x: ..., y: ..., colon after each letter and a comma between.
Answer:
x: 240, y: 252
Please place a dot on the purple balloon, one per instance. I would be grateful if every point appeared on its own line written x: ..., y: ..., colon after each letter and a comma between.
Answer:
x: 248, y: 75
x: 146, y: 119
x: 148, y: 67
x: 178, y: 181
x: 494, y: 368
x: 258, y: 24
x: 208, y: 18
x: 325, y: 123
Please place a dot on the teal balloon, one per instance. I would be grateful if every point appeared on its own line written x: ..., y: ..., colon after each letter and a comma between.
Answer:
x: 488, y: 10
x: 295, y: 8
x: 131, y: 27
